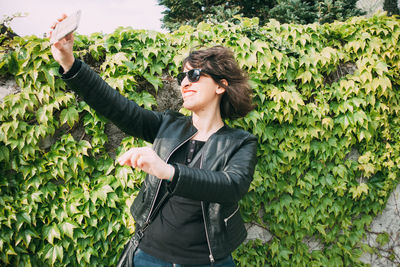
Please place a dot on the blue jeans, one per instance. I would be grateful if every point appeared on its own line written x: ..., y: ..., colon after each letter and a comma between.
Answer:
x: 143, y: 259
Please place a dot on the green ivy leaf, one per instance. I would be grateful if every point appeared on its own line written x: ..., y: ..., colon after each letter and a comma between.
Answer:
x: 53, y: 253
x: 382, y: 238
x: 359, y: 190
x: 69, y: 116
x: 49, y: 77
x: 155, y: 81
x: 50, y: 232
x: 101, y: 193
x: 67, y: 228
x: 4, y: 154
x: 13, y: 64
x: 28, y: 234
x: 122, y: 174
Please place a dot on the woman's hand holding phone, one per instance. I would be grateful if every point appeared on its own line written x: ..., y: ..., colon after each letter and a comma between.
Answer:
x: 62, y: 49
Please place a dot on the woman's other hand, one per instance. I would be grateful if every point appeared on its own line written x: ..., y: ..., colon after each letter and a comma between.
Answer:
x: 62, y: 49
x: 147, y: 160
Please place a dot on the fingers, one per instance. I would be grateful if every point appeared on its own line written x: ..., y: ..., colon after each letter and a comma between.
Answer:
x: 69, y: 37
x: 131, y: 157
x: 67, y: 40
x: 58, y: 45
x: 139, y: 161
x: 63, y: 16
x: 147, y: 160
x: 125, y: 158
x: 134, y: 159
x: 53, y: 26
x: 141, y: 158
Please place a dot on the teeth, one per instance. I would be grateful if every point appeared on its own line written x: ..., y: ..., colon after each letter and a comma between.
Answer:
x: 189, y: 93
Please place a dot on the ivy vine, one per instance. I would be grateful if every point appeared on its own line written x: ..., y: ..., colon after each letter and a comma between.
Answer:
x: 329, y: 149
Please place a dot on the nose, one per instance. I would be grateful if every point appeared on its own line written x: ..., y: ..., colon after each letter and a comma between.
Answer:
x: 185, y: 82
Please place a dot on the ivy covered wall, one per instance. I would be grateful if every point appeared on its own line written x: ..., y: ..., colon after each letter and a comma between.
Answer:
x: 327, y: 121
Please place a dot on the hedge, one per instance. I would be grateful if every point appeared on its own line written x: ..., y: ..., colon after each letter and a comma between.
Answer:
x: 327, y: 120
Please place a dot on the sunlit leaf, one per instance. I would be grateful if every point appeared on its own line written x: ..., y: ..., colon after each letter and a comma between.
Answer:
x: 69, y: 116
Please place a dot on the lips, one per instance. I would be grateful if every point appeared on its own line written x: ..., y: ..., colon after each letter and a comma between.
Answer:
x: 187, y: 93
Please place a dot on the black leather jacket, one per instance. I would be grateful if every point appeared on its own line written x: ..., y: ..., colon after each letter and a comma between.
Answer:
x: 227, y: 162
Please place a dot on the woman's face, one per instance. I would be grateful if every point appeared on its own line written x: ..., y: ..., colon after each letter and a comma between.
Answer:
x: 200, y: 95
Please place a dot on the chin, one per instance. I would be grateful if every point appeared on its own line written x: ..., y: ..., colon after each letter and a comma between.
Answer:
x: 188, y: 108
x: 187, y: 105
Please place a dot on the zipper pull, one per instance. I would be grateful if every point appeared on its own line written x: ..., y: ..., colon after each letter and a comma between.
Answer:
x: 212, y: 260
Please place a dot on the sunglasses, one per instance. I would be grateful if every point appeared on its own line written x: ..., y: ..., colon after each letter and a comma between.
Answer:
x: 192, y: 75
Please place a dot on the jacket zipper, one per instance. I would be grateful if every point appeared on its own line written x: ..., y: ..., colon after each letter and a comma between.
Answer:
x: 160, y: 182
x: 212, y: 260
x: 230, y: 216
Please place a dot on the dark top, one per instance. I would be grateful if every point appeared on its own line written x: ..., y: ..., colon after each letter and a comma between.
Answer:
x: 177, y: 234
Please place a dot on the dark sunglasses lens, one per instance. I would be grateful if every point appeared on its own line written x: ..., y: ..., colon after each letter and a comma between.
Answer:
x: 194, y: 75
x: 180, y: 77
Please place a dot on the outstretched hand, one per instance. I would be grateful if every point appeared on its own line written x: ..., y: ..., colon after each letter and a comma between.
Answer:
x: 62, y: 50
x: 146, y: 159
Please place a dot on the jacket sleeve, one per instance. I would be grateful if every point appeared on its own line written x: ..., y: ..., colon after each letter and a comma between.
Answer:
x: 227, y: 185
x: 126, y: 114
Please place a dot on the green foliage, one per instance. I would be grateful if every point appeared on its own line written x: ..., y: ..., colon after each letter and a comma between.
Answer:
x: 329, y: 149
x: 382, y: 239
x: 190, y: 12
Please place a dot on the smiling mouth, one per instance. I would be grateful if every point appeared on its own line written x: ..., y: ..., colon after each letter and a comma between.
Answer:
x: 187, y: 93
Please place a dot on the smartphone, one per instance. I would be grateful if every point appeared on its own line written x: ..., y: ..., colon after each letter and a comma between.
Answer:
x: 65, y: 27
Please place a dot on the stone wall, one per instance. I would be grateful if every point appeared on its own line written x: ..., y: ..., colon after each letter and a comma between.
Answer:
x: 385, y: 227
x: 8, y: 87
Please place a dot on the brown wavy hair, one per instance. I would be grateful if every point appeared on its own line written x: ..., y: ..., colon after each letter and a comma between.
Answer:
x: 219, y: 63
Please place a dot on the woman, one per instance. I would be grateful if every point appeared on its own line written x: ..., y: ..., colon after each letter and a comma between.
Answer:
x: 198, y: 168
